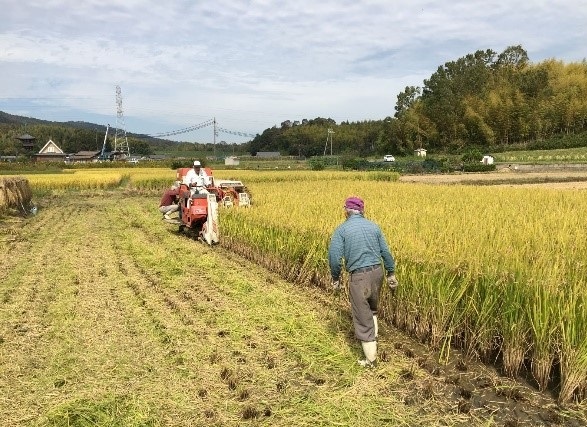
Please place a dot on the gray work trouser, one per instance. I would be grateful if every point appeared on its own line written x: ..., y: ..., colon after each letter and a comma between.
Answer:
x: 364, y: 292
x: 168, y: 209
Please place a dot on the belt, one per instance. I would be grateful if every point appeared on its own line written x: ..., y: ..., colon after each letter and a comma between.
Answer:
x: 366, y: 269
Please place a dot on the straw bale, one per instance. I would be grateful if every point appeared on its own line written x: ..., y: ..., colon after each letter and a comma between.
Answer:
x: 15, y: 193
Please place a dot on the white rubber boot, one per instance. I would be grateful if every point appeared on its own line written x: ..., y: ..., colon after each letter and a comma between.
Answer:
x: 370, y: 350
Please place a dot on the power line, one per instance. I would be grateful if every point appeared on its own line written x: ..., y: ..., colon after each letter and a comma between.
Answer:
x: 184, y: 130
x: 231, y: 132
x: 210, y: 122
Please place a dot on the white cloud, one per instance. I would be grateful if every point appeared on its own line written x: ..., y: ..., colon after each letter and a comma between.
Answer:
x: 253, y: 64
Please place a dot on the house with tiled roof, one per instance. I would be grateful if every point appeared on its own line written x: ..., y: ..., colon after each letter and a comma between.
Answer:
x: 85, y: 156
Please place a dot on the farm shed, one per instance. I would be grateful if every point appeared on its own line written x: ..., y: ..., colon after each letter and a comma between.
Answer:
x: 231, y: 161
x: 487, y: 160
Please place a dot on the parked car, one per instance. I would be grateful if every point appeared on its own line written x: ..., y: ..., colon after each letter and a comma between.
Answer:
x: 388, y: 158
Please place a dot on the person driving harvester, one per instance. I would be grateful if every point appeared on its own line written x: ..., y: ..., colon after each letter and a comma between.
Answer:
x: 197, y: 179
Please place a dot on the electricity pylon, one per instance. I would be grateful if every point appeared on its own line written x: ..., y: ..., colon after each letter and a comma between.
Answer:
x: 121, y: 148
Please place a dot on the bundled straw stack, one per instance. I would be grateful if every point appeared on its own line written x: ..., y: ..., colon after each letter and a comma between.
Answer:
x: 15, y: 193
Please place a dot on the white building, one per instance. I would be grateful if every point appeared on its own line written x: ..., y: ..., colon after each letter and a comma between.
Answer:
x: 231, y: 161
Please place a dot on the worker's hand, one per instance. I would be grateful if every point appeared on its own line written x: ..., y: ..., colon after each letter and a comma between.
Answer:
x: 392, y: 281
x: 336, y: 286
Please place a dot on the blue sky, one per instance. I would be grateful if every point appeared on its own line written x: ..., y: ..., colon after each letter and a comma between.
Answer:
x: 253, y: 64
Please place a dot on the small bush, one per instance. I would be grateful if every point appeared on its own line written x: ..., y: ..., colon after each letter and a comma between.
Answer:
x: 317, y: 164
x: 478, y: 167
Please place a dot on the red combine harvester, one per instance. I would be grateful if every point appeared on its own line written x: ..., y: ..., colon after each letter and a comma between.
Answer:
x: 198, y: 213
x: 234, y: 193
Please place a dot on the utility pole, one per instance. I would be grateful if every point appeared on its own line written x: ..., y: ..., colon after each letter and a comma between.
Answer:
x: 215, y: 135
x: 329, y: 139
x: 120, y: 141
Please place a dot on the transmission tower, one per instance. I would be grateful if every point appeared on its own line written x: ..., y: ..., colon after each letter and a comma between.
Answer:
x: 120, y: 141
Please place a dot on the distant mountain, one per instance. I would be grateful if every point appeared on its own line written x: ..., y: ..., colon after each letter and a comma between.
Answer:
x: 6, y: 118
x: 85, y: 127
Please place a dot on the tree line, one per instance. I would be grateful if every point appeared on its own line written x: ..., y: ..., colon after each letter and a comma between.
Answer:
x: 483, y: 100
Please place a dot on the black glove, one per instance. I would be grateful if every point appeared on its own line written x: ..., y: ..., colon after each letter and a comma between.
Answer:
x: 392, y: 281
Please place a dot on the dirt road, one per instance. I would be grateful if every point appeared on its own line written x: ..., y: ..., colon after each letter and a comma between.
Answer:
x: 550, y: 179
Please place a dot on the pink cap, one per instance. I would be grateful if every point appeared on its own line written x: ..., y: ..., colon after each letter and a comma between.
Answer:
x: 354, y: 203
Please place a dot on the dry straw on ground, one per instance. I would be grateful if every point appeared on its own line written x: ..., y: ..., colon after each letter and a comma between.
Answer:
x: 15, y: 193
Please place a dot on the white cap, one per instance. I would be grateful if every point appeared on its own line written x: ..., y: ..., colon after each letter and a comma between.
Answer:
x: 197, y: 163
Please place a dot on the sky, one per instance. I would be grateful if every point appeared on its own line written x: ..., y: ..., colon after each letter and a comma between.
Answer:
x: 251, y: 65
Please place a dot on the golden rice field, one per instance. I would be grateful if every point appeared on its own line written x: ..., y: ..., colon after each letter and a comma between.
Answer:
x: 497, y: 272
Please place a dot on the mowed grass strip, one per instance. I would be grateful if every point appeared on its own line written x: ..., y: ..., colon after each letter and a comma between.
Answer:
x: 117, y: 319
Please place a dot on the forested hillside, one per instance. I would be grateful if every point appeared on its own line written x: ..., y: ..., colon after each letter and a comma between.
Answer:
x: 483, y: 100
x: 72, y: 137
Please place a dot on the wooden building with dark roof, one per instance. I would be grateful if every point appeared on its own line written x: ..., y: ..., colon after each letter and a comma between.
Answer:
x: 28, y: 141
x: 85, y: 156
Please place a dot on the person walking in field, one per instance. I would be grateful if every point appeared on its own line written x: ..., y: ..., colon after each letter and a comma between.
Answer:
x: 362, y: 246
x: 168, y: 203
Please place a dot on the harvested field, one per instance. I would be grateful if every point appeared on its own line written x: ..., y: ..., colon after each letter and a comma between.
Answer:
x: 571, y: 179
x: 108, y: 317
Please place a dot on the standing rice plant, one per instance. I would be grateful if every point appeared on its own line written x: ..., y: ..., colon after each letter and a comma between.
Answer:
x: 402, y: 307
x: 573, y: 339
x: 152, y: 178
x: 79, y: 180
x: 514, y: 326
x: 412, y: 301
x: 541, y: 314
x: 481, y: 322
x: 445, y: 316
